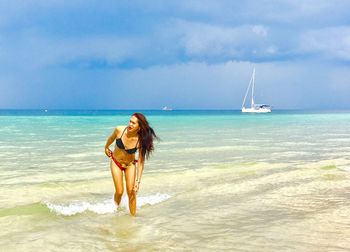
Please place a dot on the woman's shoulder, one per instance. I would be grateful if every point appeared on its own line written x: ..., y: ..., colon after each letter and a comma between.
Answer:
x: 119, y: 128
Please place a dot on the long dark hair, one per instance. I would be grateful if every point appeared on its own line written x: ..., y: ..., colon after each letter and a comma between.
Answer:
x: 146, y: 136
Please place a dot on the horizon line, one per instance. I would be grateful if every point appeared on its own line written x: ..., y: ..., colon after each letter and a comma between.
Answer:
x: 179, y: 109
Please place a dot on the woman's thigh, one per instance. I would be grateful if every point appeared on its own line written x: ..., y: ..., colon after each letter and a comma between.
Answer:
x: 117, y: 176
x: 130, y: 174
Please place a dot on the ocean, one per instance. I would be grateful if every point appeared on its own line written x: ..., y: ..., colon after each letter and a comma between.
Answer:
x: 218, y: 180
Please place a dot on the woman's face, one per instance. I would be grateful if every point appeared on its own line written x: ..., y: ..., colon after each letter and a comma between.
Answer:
x: 133, y: 125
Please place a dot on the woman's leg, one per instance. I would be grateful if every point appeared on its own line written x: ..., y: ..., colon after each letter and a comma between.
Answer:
x: 117, y: 176
x: 130, y: 174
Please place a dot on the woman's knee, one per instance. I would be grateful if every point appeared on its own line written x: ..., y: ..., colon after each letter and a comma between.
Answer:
x: 119, y: 192
x: 131, y: 193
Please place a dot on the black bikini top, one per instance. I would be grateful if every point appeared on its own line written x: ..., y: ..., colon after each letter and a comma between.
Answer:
x: 120, y: 144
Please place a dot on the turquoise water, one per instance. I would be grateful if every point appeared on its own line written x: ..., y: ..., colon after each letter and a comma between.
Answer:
x: 217, y: 180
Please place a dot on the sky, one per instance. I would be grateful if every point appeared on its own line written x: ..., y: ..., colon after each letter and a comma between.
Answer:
x: 185, y: 54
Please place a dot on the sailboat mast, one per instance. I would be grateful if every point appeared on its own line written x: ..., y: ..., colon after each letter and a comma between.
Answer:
x: 253, y: 88
x: 246, y: 93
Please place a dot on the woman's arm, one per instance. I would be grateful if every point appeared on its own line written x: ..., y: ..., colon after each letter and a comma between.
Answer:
x: 140, y: 166
x: 110, y: 140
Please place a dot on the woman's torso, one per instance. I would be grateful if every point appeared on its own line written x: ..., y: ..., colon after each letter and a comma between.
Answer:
x: 129, y: 144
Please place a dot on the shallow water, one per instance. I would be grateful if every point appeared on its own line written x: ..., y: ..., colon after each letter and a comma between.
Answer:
x: 218, y: 180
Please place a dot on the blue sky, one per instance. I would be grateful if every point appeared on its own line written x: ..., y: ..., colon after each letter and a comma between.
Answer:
x: 184, y: 54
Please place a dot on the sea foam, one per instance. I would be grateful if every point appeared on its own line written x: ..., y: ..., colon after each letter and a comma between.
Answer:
x: 103, y: 207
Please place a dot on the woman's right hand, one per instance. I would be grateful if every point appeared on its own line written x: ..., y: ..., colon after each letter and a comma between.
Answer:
x: 108, y: 152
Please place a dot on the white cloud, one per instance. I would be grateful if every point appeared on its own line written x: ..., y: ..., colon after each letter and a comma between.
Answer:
x: 207, y: 40
x: 202, y: 30
x: 13, y: 11
x: 333, y: 42
x: 272, y: 49
x: 295, y: 12
x: 260, y: 30
x: 43, y: 51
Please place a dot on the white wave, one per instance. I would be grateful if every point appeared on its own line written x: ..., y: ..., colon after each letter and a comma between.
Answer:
x: 106, y: 206
x: 82, y: 155
x: 345, y: 168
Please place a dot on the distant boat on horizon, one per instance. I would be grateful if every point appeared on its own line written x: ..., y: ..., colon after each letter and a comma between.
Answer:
x: 254, y: 108
x: 166, y: 108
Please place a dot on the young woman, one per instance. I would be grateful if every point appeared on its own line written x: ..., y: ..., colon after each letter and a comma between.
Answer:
x: 137, y: 136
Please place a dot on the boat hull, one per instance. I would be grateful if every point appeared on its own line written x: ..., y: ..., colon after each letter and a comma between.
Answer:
x: 256, y: 110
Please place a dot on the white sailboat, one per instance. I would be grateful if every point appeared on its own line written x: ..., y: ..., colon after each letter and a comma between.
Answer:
x: 166, y: 108
x: 254, y: 108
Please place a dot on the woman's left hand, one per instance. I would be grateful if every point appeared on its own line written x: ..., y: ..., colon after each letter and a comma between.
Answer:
x: 136, y: 186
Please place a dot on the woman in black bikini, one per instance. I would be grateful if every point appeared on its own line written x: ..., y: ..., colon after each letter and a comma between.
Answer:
x: 139, y: 134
